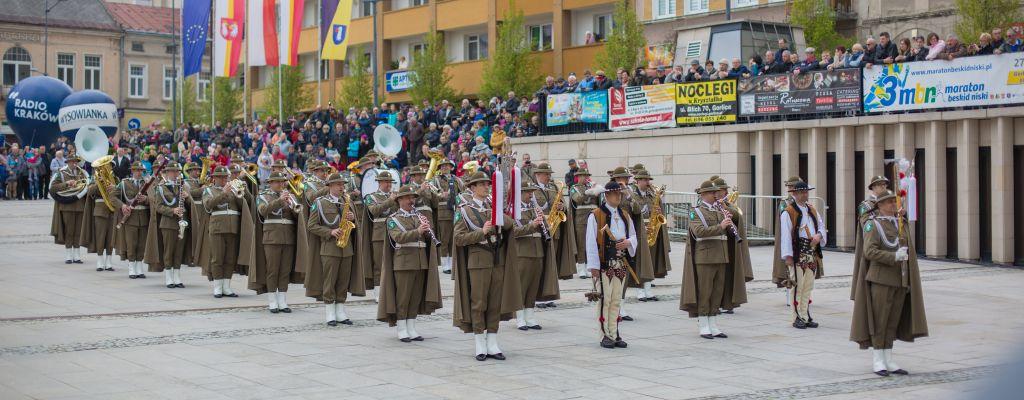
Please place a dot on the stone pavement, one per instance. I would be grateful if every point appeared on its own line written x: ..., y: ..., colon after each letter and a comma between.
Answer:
x: 69, y: 332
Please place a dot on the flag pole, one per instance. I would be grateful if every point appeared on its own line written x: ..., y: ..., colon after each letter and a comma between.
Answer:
x: 319, y: 50
x: 280, y: 88
x: 245, y: 71
x: 213, y: 71
x: 174, y: 60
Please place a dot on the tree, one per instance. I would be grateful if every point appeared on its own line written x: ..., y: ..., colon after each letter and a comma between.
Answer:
x: 513, y: 66
x: 227, y: 100
x: 293, y: 95
x: 979, y: 16
x: 429, y: 76
x: 357, y: 86
x: 187, y: 104
x: 622, y: 50
x: 818, y: 20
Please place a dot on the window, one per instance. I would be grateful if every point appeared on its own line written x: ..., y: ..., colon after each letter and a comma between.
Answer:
x: 17, y: 65
x: 602, y: 27
x: 365, y: 8
x: 476, y: 47
x: 170, y: 49
x: 137, y: 46
x: 93, y: 67
x: 665, y: 8
x: 743, y: 3
x: 310, y: 15
x: 168, y: 82
x: 325, y: 65
x: 202, y: 86
x: 418, y: 3
x: 696, y: 6
x: 693, y: 50
x: 66, y: 68
x: 136, y: 81
x: 540, y: 37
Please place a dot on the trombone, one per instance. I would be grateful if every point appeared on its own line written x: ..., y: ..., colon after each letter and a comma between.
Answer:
x: 296, y: 182
x: 250, y: 171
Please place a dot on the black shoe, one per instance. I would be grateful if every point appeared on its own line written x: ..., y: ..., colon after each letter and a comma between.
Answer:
x: 108, y: 269
x: 481, y: 357
x: 499, y: 356
x: 77, y: 261
x: 643, y: 299
x: 812, y: 324
x: 216, y: 296
x: 448, y: 272
x: 652, y: 298
x: 68, y: 261
x: 231, y: 295
x: 524, y: 328
x: 179, y: 285
x: 721, y: 335
x: 286, y: 310
x: 627, y: 318
x: 727, y: 312
x: 417, y: 339
x: 620, y: 344
x: 800, y: 324
x: 607, y: 343
x: 133, y: 276
x: 900, y: 371
x: 99, y: 269
x: 537, y: 327
x: 274, y: 311
x: 882, y: 373
x: 584, y: 277
x: 707, y: 336
x: 346, y: 322
x: 171, y: 286
x: 552, y: 305
x: 332, y: 323
x: 405, y: 340
x: 142, y: 276
x: 542, y: 305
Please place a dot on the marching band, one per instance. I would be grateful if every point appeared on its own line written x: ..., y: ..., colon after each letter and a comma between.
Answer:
x: 361, y: 232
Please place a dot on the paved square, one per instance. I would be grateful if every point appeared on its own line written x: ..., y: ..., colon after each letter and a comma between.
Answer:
x: 69, y: 332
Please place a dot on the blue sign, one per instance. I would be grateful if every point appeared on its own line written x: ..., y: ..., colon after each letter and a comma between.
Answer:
x: 32, y: 108
x: 339, y: 33
x: 134, y: 123
x: 87, y: 107
x: 398, y: 81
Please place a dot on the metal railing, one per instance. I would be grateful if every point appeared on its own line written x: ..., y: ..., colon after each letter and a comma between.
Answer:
x: 760, y: 213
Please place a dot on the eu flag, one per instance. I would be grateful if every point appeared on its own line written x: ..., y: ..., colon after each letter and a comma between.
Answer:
x: 195, y: 22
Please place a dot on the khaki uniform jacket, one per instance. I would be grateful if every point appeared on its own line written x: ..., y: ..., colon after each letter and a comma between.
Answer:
x: 711, y: 250
x: 582, y: 205
x: 407, y: 241
x: 96, y: 208
x: 564, y: 238
x: 128, y: 189
x: 58, y: 183
x: 279, y: 220
x: 163, y: 199
x: 709, y: 236
x: 403, y: 252
x: 865, y: 211
x: 445, y: 211
x: 324, y: 217
x: 380, y: 206
x: 217, y: 201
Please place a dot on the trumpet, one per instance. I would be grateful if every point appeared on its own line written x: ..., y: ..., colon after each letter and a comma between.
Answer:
x: 430, y: 230
x: 289, y: 201
x: 250, y: 171
x: 295, y: 183
x: 237, y: 187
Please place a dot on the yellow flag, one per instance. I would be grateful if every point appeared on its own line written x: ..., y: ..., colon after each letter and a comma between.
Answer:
x: 336, y: 40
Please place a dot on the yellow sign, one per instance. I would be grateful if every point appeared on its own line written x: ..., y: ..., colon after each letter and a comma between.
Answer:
x: 706, y: 102
x: 336, y: 42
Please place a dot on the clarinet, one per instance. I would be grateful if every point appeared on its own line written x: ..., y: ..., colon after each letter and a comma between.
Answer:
x: 182, y: 222
x: 543, y: 224
x: 423, y: 220
x: 720, y: 204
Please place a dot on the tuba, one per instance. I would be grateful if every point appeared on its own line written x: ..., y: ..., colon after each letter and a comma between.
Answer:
x: 92, y: 145
x: 345, y: 225
x: 387, y: 140
x: 435, y: 161
x: 657, y: 217
x: 103, y: 172
x: 296, y: 184
x: 204, y: 177
x: 555, y: 215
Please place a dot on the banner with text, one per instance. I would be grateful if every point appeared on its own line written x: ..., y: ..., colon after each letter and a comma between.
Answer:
x: 569, y: 108
x: 961, y: 82
x: 706, y: 102
x: 811, y: 92
x: 642, y: 107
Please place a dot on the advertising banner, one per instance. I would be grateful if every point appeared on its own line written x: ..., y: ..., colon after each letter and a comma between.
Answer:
x: 642, y: 107
x: 811, y: 92
x: 706, y: 102
x: 567, y: 108
x: 961, y: 82
x: 398, y: 81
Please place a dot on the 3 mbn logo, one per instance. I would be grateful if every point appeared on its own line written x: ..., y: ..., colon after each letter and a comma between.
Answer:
x: 918, y: 95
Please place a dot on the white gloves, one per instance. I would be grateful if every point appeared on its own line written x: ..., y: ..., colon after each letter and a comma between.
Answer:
x: 901, y: 254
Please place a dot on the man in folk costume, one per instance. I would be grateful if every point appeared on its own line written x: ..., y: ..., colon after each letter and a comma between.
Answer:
x: 67, y: 217
x: 486, y: 287
x: 643, y: 261
x: 535, y: 260
x: 97, y: 234
x: 583, y: 203
x: 563, y: 235
x: 611, y: 248
x: 229, y: 235
x: 132, y: 234
x: 780, y: 274
x: 167, y: 244
x: 802, y: 233
x: 379, y: 206
x: 448, y: 187
x: 278, y: 262
x: 409, y: 285
x: 735, y: 292
x: 866, y: 210
x: 338, y: 257
x: 705, y: 262
x: 889, y: 303
x: 644, y: 196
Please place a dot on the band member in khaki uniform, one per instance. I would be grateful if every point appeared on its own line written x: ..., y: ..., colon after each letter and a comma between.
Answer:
x: 229, y: 235
x: 705, y: 262
x: 866, y: 210
x: 563, y: 236
x: 780, y: 274
x: 486, y: 287
x: 409, y: 285
x: 279, y: 213
x: 379, y: 205
x: 97, y: 232
x: 739, y: 270
x: 67, y: 216
x: 426, y: 197
x: 583, y: 203
x: 644, y: 195
x: 802, y: 233
x: 611, y: 248
x: 448, y: 187
x: 535, y: 259
x: 889, y: 305
x: 166, y: 247
x: 316, y: 183
x: 132, y: 234
x: 338, y: 256
x: 193, y: 172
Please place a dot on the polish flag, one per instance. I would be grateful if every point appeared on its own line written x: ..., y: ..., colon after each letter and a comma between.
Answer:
x: 262, y: 37
x: 291, y: 27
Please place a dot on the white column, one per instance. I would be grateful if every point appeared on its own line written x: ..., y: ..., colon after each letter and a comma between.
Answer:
x: 817, y: 167
x: 763, y: 158
x: 967, y: 225
x: 846, y: 203
x: 1002, y: 191
x: 874, y: 153
x: 790, y: 153
x: 935, y: 190
x: 905, y: 141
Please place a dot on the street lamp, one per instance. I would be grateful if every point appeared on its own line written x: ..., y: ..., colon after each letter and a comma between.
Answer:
x: 46, y: 34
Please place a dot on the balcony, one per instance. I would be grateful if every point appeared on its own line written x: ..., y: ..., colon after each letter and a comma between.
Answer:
x: 844, y: 9
x: 308, y: 40
x: 461, y: 14
x: 361, y: 31
x: 529, y: 7
x: 579, y: 58
x: 466, y: 76
x: 575, y: 4
x: 406, y: 22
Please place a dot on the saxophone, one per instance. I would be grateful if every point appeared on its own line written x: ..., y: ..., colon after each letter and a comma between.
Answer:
x: 657, y: 217
x: 555, y: 215
x: 345, y: 225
